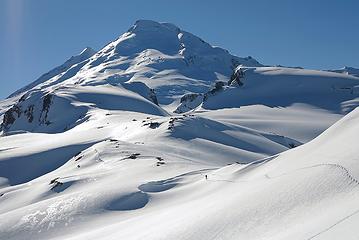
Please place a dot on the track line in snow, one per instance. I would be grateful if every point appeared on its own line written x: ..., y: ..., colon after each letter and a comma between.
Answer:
x: 220, y: 180
x: 335, y: 224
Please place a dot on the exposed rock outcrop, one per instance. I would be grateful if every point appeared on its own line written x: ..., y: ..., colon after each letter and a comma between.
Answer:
x: 26, y: 110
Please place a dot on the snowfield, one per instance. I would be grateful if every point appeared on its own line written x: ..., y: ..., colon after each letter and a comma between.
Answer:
x: 160, y: 135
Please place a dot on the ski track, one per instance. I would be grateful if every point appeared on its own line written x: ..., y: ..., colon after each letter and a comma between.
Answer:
x: 334, y: 225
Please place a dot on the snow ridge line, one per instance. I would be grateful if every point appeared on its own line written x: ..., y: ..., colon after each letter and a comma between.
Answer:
x: 258, y: 163
x: 335, y: 165
x: 247, y: 167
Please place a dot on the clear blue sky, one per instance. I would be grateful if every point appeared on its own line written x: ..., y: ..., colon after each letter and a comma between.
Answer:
x: 37, y: 35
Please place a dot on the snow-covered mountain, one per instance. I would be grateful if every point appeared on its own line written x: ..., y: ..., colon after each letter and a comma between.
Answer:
x: 58, y: 74
x: 160, y: 135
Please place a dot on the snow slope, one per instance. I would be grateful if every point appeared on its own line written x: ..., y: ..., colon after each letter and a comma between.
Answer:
x: 121, y: 188
x: 116, y: 145
x: 282, y: 87
x: 348, y: 71
x: 64, y: 108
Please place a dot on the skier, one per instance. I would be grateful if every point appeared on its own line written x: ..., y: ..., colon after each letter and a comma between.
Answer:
x: 206, y: 176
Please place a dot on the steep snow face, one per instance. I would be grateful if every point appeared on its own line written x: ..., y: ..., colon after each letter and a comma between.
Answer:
x: 172, y: 41
x: 167, y: 59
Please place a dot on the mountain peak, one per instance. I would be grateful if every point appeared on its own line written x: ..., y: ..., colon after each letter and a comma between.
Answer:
x: 169, y: 39
x: 148, y: 48
x: 148, y: 34
x: 145, y: 25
